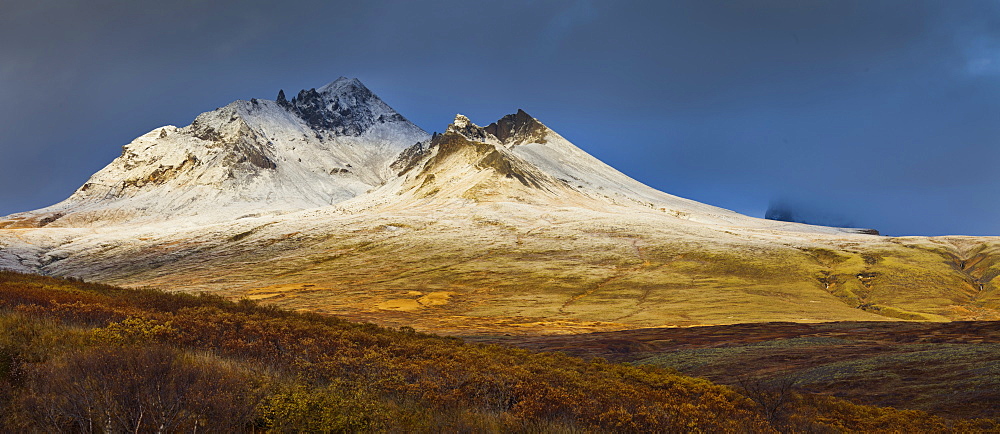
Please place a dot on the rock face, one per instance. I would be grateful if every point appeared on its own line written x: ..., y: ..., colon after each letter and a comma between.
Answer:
x: 518, y: 129
x: 344, y: 107
x: 249, y: 157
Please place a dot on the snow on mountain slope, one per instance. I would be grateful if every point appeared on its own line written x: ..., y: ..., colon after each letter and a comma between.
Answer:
x: 537, y: 145
x: 249, y: 157
x: 453, y: 169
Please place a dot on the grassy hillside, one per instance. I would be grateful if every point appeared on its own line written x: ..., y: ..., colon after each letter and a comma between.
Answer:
x: 93, y: 358
x: 492, y: 270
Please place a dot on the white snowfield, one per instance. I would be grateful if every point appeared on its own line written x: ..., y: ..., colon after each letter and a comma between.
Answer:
x: 318, y: 164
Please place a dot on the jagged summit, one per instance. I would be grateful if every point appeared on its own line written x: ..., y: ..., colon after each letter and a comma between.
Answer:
x: 511, y: 130
x: 519, y: 128
x: 342, y: 107
x: 464, y: 127
x: 461, y: 121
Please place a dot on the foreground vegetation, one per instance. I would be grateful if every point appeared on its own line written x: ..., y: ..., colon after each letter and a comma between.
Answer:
x: 949, y: 369
x: 86, y: 357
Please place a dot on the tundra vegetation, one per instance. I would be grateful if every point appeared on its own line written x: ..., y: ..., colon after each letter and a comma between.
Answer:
x: 951, y: 369
x: 86, y: 357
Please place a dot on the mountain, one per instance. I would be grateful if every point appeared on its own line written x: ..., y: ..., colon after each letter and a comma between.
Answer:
x: 333, y: 202
x: 247, y: 158
x: 481, y: 164
x: 536, y: 144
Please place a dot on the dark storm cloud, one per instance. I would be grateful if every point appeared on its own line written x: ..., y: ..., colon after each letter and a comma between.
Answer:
x: 884, y: 113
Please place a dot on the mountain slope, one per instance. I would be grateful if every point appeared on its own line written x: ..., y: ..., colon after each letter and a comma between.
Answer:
x: 542, y: 147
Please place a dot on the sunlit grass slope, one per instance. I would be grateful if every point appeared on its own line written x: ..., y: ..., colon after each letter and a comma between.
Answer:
x: 561, y: 272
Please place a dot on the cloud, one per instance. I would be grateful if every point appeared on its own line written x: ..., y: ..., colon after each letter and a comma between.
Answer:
x: 976, y: 32
x: 983, y: 55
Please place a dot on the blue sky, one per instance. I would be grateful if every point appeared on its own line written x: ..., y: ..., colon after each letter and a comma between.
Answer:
x: 883, y: 114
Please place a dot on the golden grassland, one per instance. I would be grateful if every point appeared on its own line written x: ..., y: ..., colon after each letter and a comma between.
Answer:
x: 95, y: 358
x: 483, y: 274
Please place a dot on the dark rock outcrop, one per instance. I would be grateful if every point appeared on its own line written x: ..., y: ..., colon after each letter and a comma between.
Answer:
x: 281, y: 99
x: 517, y: 129
x: 345, y: 111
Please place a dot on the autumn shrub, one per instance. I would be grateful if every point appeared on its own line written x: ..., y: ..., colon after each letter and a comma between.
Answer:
x: 820, y: 413
x: 145, y: 389
x: 333, y: 408
x: 132, y: 331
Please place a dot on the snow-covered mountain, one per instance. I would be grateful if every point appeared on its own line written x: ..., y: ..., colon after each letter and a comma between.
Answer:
x: 253, y: 157
x: 526, y: 139
x: 341, y: 144
x: 332, y: 201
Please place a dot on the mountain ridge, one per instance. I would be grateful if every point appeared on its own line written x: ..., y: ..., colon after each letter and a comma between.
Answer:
x: 325, y: 146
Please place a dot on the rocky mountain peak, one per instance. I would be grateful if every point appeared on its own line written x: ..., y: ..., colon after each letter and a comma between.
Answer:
x: 343, y: 107
x: 461, y: 121
x: 511, y: 130
x: 464, y: 127
x: 517, y: 129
